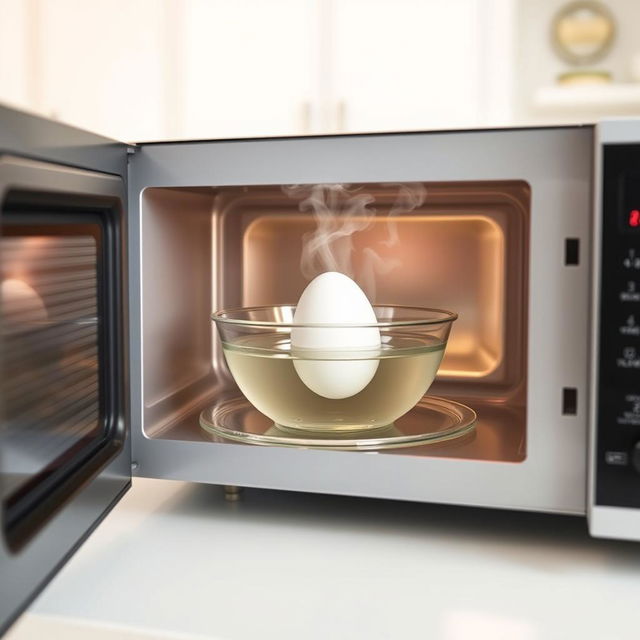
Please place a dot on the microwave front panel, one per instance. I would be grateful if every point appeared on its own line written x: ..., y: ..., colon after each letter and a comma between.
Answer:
x: 64, y: 448
x: 614, y: 494
x: 178, y: 180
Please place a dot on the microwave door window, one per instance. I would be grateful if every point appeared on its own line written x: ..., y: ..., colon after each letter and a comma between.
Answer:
x: 52, y: 396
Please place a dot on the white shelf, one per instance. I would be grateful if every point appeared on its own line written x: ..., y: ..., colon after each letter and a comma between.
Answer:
x: 612, y: 98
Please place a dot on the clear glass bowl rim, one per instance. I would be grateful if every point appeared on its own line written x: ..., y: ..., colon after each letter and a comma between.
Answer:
x: 224, y: 316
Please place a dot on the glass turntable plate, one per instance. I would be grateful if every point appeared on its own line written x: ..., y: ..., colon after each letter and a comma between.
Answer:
x: 431, y: 420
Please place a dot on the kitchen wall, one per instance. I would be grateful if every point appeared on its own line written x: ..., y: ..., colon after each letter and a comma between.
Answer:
x: 167, y: 69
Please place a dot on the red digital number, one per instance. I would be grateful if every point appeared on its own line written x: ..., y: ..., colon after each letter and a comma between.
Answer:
x: 634, y: 218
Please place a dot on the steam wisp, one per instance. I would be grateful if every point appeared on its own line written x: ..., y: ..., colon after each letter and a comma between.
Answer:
x: 339, y: 212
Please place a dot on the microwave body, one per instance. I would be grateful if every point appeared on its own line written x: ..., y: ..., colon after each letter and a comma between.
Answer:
x: 527, y: 233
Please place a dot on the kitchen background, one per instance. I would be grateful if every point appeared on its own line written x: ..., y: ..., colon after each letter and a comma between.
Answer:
x: 164, y: 69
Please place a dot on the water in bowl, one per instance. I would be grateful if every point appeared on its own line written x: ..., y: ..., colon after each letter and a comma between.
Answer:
x: 262, y: 366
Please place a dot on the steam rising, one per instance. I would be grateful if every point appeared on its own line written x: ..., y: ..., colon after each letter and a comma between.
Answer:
x: 340, y: 211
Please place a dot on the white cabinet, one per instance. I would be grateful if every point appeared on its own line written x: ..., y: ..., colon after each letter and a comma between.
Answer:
x: 101, y: 66
x: 248, y: 67
x: 16, y: 86
x: 166, y: 69
x: 315, y: 66
x: 406, y: 64
x: 97, y: 65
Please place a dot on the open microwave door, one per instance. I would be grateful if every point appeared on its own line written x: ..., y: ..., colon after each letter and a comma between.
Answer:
x: 64, y: 446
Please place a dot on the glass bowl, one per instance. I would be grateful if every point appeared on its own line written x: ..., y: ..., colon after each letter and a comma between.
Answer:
x: 333, y: 389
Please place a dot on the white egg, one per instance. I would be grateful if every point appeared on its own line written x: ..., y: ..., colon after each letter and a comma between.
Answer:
x: 333, y: 298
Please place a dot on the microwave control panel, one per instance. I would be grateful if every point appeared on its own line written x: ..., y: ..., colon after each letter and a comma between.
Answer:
x: 618, y: 396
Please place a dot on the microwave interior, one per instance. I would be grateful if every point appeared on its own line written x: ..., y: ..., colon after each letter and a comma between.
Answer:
x: 463, y: 247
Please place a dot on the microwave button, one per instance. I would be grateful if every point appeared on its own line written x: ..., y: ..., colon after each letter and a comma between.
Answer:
x: 631, y: 260
x: 629, y: 358
x: 630, y: 292
x: 630, y: 412
x: 616, y: 458
x: 630, y: 326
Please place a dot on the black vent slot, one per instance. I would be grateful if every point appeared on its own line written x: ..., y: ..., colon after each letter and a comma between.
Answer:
x: 572, y: 251
x: 569, y: 401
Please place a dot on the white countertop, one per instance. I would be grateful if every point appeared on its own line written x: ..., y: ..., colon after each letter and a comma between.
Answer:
x: 175, y: 560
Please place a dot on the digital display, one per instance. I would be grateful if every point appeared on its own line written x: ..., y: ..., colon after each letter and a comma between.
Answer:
x: 629, y: 215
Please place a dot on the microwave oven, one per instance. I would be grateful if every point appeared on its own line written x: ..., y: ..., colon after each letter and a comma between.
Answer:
x: 114, y: 255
